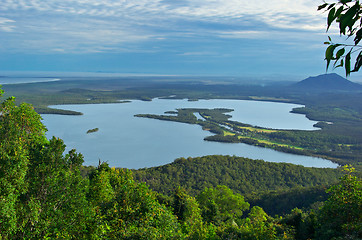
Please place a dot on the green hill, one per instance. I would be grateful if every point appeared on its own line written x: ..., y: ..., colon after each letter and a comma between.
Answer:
x: 244, y: 176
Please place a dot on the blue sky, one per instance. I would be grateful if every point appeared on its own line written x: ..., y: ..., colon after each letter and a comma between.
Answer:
x: 181, y: 37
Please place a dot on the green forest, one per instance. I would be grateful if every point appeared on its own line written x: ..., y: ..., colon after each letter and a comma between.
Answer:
x: 46, y: 193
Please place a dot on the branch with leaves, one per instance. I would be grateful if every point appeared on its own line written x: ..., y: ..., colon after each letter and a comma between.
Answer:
x: 347, y: 14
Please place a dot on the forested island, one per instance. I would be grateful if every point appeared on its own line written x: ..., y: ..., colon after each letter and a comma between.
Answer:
x: 93, y: 130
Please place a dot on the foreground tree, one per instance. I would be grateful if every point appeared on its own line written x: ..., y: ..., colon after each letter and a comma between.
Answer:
x: 341, y: 215
x: 220, y: 205
x: 42, y: 194
x: 55, y: 204
x: 20, y: 130
x: 347, y: 14
x: 188, y: 213
x: 126, y: 209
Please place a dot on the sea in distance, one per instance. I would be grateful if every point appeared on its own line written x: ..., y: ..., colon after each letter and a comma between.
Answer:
x: 17, y: 80
x: 132, y: 142
x: 15, y: 77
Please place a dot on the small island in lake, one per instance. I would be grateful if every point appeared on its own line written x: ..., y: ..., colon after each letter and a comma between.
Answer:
x: 92, y: 130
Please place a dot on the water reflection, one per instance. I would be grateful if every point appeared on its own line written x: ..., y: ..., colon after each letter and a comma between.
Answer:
x: 126, y: 141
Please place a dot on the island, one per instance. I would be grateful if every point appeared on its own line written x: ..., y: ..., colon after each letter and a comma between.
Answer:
x: 92, y: 130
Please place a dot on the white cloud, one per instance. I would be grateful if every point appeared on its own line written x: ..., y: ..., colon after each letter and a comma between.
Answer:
x: 85, y: 35
x: 93, y: 25
x: 197, y: 54
x: 277, y: 13
x: 6, y: 25
x: 242, y: 34
x: 214, y: 10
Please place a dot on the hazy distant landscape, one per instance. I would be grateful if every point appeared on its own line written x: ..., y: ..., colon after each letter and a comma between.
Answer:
x: 181, y: 120
x: 330, y: 100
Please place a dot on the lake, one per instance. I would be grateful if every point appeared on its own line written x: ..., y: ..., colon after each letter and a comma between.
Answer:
x: 127, y: 141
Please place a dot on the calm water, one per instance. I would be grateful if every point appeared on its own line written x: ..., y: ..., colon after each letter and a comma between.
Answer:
x: 17, y: 80
x: 127, y: 141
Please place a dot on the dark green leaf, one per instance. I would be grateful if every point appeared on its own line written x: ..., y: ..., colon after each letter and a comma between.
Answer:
x: 331, y: 5
x: 329, y: 54
x: 348, y: 19
x: 340, y: 53
x: 358, y: 37
x: 347, y: 64
x: 345, y: 1
x: 331, y: 17
x: 358, y: 63
x: 320, y: 7
x: 339, y: 11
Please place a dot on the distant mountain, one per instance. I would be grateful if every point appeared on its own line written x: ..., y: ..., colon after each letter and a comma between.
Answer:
x: 326, y: 83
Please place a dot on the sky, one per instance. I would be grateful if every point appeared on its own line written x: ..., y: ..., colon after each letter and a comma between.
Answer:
x: 171, y: 37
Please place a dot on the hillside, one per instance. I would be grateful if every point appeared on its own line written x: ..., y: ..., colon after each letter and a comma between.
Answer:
x: 326, y: 83
x: 259, y: 182
x: 244, y: 176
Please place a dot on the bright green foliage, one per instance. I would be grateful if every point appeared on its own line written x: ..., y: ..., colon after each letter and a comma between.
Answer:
x: 55, y: 205
x: 258, y: 225
x: 20, y: 130
x: 42, y: 194
x: 341, y: 215
x: 101, y: 191
x: 128, y: 210
x: 220, y: 205
x: 347, y: 14
x: 188, y: 213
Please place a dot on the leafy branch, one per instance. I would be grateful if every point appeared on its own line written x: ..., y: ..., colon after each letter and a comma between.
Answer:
x: 347, y: 14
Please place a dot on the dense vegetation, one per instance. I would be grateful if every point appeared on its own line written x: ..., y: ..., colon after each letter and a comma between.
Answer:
x: 261, y: 183
x: 242, y: 175
x: 44, y: 195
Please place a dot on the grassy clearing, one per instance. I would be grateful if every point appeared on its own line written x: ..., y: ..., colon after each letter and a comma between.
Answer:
x: 253, y: 129
x: 227, y: 133
x: 271, y: 143
x: 263, y: 141
x: 258, y: 130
